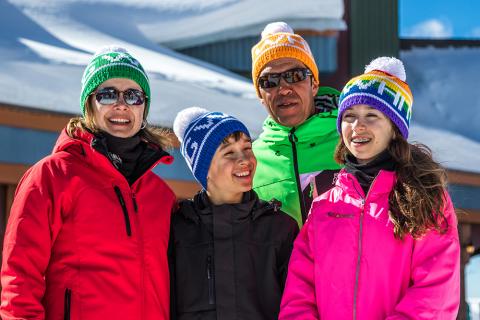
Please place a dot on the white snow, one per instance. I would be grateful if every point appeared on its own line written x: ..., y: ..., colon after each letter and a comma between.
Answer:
x: 237, y: 19
x: 452, y: 150
x: 446, y: 103
x: 45, y: 47
x: 444, y: 84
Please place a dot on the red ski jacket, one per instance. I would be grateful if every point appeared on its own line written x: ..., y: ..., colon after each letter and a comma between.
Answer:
x: 81, y: 243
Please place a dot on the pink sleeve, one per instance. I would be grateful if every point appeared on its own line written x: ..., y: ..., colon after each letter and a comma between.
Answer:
x: 435, y: 289
x: 298, y: 301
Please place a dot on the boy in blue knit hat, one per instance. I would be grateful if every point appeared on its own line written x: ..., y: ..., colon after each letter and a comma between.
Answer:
x: 229, y: 249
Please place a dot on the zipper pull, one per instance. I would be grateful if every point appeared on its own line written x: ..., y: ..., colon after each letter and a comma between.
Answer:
x: 291, y: 135
x: 134, y: 199
x: 209, y: 267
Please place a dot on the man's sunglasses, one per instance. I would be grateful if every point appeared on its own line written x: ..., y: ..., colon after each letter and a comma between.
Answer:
x: 272, y: 80
x: 110, y: 95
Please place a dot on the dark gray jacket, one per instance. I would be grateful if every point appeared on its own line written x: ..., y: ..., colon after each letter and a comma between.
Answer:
x: 229, y: 261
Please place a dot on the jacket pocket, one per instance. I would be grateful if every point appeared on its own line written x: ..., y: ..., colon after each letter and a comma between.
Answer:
x: 124, y: 210
x: 195, y: 279
x: 66, y: 304
x: 340, y: 215
x: 211, y: 280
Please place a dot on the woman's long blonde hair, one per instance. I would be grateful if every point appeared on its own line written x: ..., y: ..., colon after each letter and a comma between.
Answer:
x: 151, y: 134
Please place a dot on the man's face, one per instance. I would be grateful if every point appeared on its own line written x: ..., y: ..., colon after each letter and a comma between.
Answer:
x: 289, y: 104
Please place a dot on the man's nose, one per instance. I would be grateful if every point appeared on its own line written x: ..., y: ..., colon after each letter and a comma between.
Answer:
x: 284, y: 87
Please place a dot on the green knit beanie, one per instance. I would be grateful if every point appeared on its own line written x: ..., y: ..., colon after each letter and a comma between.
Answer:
x: 113, y: 62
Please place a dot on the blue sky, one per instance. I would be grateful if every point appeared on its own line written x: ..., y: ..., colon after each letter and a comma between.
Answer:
x: 439, y: 19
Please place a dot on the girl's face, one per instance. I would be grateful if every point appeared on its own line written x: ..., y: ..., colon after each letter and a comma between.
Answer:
x: 366, y: 132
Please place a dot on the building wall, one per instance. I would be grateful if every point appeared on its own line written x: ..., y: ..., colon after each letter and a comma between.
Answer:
x: 373, y: 27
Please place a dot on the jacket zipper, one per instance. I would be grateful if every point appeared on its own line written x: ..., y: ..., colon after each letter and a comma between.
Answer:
x: 124, y: 209
x: 66, y: 304
x: 293, y: 139
x: 134, y: 199
x: 211, y: 281
x: 359, y: 255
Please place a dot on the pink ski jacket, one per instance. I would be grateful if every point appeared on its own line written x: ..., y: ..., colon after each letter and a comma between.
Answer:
x: 347, y: 264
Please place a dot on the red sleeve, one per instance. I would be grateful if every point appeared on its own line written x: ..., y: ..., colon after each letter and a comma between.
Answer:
x: 32, y: 226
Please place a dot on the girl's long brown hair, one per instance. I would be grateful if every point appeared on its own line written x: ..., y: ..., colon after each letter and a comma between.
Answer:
x: 417, y: 200
x: 158, y: 136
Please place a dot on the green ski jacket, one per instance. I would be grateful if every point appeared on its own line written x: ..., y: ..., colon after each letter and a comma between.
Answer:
x: 295, y: 164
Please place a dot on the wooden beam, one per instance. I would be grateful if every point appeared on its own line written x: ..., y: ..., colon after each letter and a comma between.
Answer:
x: 463, y: 178
x: 470, y: 216
x: 11, y: 173
x: 28, y: 118
x: 20, y: 117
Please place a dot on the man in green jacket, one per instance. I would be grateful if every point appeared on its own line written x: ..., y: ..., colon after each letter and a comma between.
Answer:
x: 295, y: 149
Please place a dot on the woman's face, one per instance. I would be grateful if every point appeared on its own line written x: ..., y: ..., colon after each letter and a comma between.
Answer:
x: 118, y: 118
x: 366, y: 132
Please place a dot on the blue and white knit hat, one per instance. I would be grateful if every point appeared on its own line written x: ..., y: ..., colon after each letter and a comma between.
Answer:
x: 383, y: 87
x: 200, y: 133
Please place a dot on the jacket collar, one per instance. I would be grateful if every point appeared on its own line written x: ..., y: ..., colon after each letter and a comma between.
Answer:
x: 382, y: 184
x: 312, y: 128
x: 251, y: 206
x: 81, y: 146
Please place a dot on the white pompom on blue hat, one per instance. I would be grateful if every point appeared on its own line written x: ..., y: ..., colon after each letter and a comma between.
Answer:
x: 200, y: 133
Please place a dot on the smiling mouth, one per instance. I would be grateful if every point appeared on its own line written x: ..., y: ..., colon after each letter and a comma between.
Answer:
x: 242, y: 174
x: 119, y: 121
x: 361, y: 140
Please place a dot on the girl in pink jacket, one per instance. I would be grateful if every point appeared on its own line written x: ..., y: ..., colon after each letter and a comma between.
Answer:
x: 383, y: 243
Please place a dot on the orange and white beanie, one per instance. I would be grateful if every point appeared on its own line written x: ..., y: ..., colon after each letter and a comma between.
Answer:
x: 279, y: 41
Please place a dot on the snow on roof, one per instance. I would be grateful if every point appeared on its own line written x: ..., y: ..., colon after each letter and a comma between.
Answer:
x: 236, y: 19
x: 44, y: 49
x: 451, y: 150
x: 444, y: 84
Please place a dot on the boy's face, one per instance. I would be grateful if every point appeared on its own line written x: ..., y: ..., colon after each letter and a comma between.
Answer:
x: 231, y: 171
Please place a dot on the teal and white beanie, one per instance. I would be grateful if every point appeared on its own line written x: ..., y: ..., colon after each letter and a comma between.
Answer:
x: 113, y: 62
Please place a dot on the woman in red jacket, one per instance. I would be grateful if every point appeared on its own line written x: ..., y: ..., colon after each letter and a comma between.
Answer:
x: 88, y: 230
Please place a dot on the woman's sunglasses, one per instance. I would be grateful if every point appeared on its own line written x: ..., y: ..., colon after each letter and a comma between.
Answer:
x: 110, y: 95
x: 272, y: 80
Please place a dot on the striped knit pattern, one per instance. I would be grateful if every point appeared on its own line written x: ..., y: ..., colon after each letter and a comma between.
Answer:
x: 281, y: 45
x: 202, y: 138
x: 110, y: 65
x: 381, y: 91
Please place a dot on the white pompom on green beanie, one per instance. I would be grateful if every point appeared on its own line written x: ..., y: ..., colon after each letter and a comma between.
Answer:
x: 113, y: 62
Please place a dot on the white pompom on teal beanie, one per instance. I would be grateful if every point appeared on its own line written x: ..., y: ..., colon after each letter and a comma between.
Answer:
x: 113, y: 62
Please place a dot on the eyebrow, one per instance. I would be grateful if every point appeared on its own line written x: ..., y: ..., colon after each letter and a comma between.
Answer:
x: 226, y: 145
